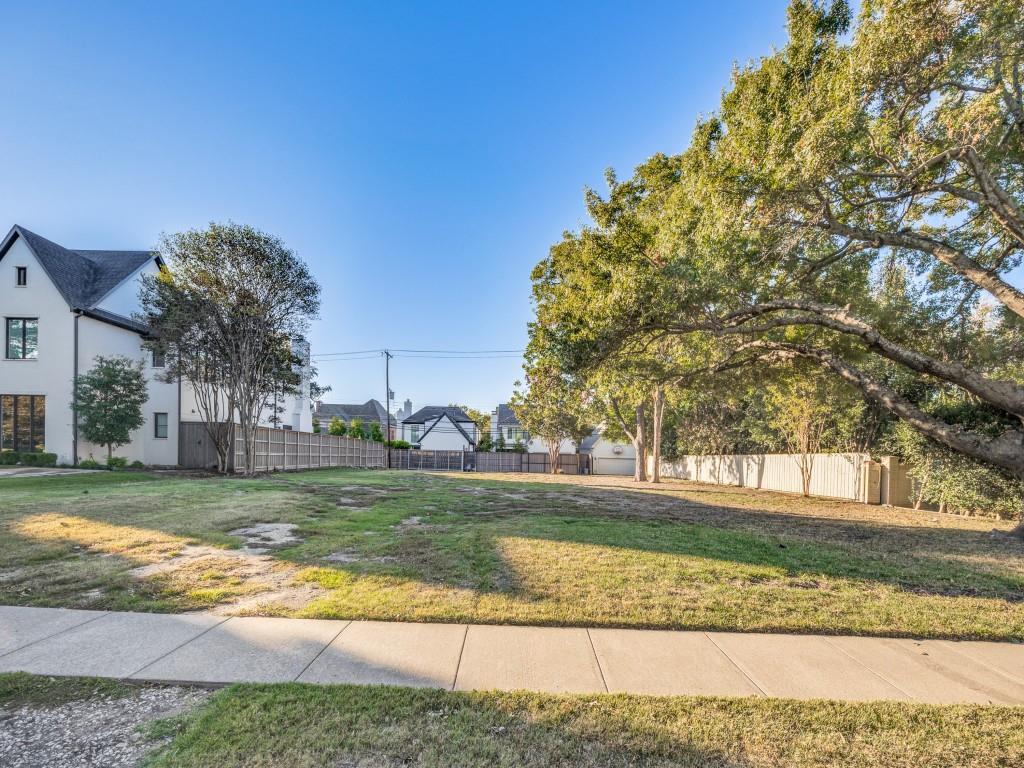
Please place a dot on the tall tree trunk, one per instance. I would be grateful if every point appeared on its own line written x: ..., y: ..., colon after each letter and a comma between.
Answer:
x: 554, y: 452
x: 110, y: 452
x: 640, y: 446
x: 659, y: 415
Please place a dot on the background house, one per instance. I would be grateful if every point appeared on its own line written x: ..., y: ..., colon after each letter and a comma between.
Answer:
x: 370, y: 412
x: 61, y: 308
x: 440, y: 428
x: 608, y: 457
x: 504, y: 424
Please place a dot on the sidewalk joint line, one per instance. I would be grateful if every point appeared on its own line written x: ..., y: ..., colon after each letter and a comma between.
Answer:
x: 740, y: 669
x: 55, y: 634
x: 597, y: 659
x: 458, y: 664
x: 320, y: 652
x: 879, y: 675
x: 176, y: 648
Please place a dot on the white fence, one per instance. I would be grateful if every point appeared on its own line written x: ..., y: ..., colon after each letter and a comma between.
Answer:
x: 836, y: 475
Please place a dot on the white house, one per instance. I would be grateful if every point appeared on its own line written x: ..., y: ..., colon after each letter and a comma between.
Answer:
x: 608, y: 457
x: 61, y: 308
x: 505, y: 425
x: 439, y: 428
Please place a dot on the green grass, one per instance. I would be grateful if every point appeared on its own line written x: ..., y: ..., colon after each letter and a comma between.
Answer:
x: 20, y: 689
x: 507, y: 549
x: 302, y: 726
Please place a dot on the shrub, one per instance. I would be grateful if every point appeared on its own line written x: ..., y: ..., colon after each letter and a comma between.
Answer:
x: 137, y: 465
x: 336, y: 427
x: 375, y: 434
x: 116, y: 462
x: 89, y: 464
x: 399, y: 444
x: 28, y: 459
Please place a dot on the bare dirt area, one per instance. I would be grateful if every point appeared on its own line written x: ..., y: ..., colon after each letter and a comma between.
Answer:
x: 96, y: 731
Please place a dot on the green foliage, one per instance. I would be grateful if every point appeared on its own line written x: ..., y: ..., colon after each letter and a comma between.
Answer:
x: 316, y: 425
x: 399, y: 444
x: 355, y: 429
x: 109, y: 400
x: 953, y: 481
x: 499, y: 444
x: 28, y: 459
x: 337, y: 427
x: 375, y: 433
x: 137, y: 465
x: 485, y: 443
x: 90, y: 464
x: 116, y: 462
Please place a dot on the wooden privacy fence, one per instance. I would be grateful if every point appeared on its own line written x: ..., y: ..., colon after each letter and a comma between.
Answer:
x: 280, y: 449
x: 479, y: 461
x: 836, y: 475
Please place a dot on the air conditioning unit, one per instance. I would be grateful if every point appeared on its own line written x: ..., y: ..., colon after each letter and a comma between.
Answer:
x: 617, y: 449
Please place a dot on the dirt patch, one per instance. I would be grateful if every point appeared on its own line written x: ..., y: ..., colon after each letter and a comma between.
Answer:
x: 264, y: 536
x: 231, y: 581
x: 410, y: 522
x: 98, y: 731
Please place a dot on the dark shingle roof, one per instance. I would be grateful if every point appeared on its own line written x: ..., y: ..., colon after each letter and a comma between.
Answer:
x: 506, y: 417
x: 588, y: 442
x: 82, y: 277
x: 431, y: 412
x: 458, y: 426
x: 370, y: 411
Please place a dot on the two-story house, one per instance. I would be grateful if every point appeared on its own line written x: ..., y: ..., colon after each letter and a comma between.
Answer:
x: 439, y: 428
x: 60, y: 308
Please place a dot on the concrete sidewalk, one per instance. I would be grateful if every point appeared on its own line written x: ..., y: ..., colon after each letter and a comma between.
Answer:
x: 207, y: 649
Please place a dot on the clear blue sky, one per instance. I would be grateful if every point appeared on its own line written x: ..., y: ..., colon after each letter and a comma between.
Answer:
x: 420, y: 157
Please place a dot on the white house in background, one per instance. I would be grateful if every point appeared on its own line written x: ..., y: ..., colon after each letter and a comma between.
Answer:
x: 505, y: 424
x: 608, y: 457
x: 60, y: 309
x: 439, y: 428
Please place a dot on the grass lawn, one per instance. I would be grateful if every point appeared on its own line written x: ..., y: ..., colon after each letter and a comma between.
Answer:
x: 305, y: 726
x: 507, y: 549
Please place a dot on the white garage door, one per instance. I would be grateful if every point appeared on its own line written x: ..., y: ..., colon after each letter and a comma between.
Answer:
x: 613, y: 466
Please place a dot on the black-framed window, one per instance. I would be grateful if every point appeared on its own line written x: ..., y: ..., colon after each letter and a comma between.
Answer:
x: 22, y: 334
x: 23, y: 423
x: 159, y: 359
x: 160, y: 425
x: 22, y: 275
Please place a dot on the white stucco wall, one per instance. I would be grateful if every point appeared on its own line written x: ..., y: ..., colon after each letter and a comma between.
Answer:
x: 124, y: 299
x: 445, y: 436
x: 52, y: 372
x: 611, y: 458
x: 536, y: 445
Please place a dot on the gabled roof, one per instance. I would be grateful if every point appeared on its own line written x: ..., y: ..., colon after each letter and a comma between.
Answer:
x: 83, y: 277
x: 370, y: 411
x: 458, y: 426
x: 431, y: 412
x: 588, y: 442
x: 506, y: 416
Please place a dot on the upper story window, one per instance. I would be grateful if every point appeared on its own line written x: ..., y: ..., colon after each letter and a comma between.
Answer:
x: 21, y: 274
x: 22, y: 334
x: 415, y: 433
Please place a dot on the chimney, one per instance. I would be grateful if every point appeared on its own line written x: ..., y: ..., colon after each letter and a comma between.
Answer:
x: 407, y: 409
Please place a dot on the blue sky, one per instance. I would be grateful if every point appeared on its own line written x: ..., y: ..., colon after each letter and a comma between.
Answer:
x: 420, y: 157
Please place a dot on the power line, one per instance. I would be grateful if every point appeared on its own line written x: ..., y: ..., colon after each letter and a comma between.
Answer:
x: 441, y: 353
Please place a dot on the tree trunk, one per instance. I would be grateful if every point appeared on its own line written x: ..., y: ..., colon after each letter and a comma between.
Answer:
x: 640, y: 446
x: 659, y: 415
x: 110, y: 452
x: 553, y: 454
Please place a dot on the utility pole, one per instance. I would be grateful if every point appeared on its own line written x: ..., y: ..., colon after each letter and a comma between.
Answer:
x: 387, y: 408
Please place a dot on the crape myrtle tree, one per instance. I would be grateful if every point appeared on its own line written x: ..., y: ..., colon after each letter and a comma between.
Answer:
x: 228, y: 310
x: 894, y: 147
x: 108, y: 399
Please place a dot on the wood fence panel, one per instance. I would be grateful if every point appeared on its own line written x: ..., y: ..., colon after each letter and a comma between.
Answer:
x: 835, y: 475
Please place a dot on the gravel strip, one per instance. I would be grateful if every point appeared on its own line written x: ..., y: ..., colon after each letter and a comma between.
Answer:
x: 93, y: 732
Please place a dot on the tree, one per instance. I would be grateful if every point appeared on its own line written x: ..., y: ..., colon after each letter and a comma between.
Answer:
x: 552, y: 407
x: 485, y: 443
x: 232, y: 308
x: 336, y: 427
x: 316, y: 425
x: 355, y: 429
x: 375, y: 434
x: 480, y: 418
x: 499, y: 444
x: 897, y: 149
x: 109, y: 399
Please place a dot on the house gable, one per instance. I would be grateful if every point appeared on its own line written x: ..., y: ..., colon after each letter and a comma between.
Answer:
x: 84, y: 278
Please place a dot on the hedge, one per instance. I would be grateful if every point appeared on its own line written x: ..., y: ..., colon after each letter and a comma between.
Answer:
x: 26, y: 459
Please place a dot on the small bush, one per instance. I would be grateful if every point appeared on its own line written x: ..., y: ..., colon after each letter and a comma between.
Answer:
x: 117, y: 462
x: 28, y: 459
x: 137, y: 465
x: 399, y: 444
x: 89, y: 464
